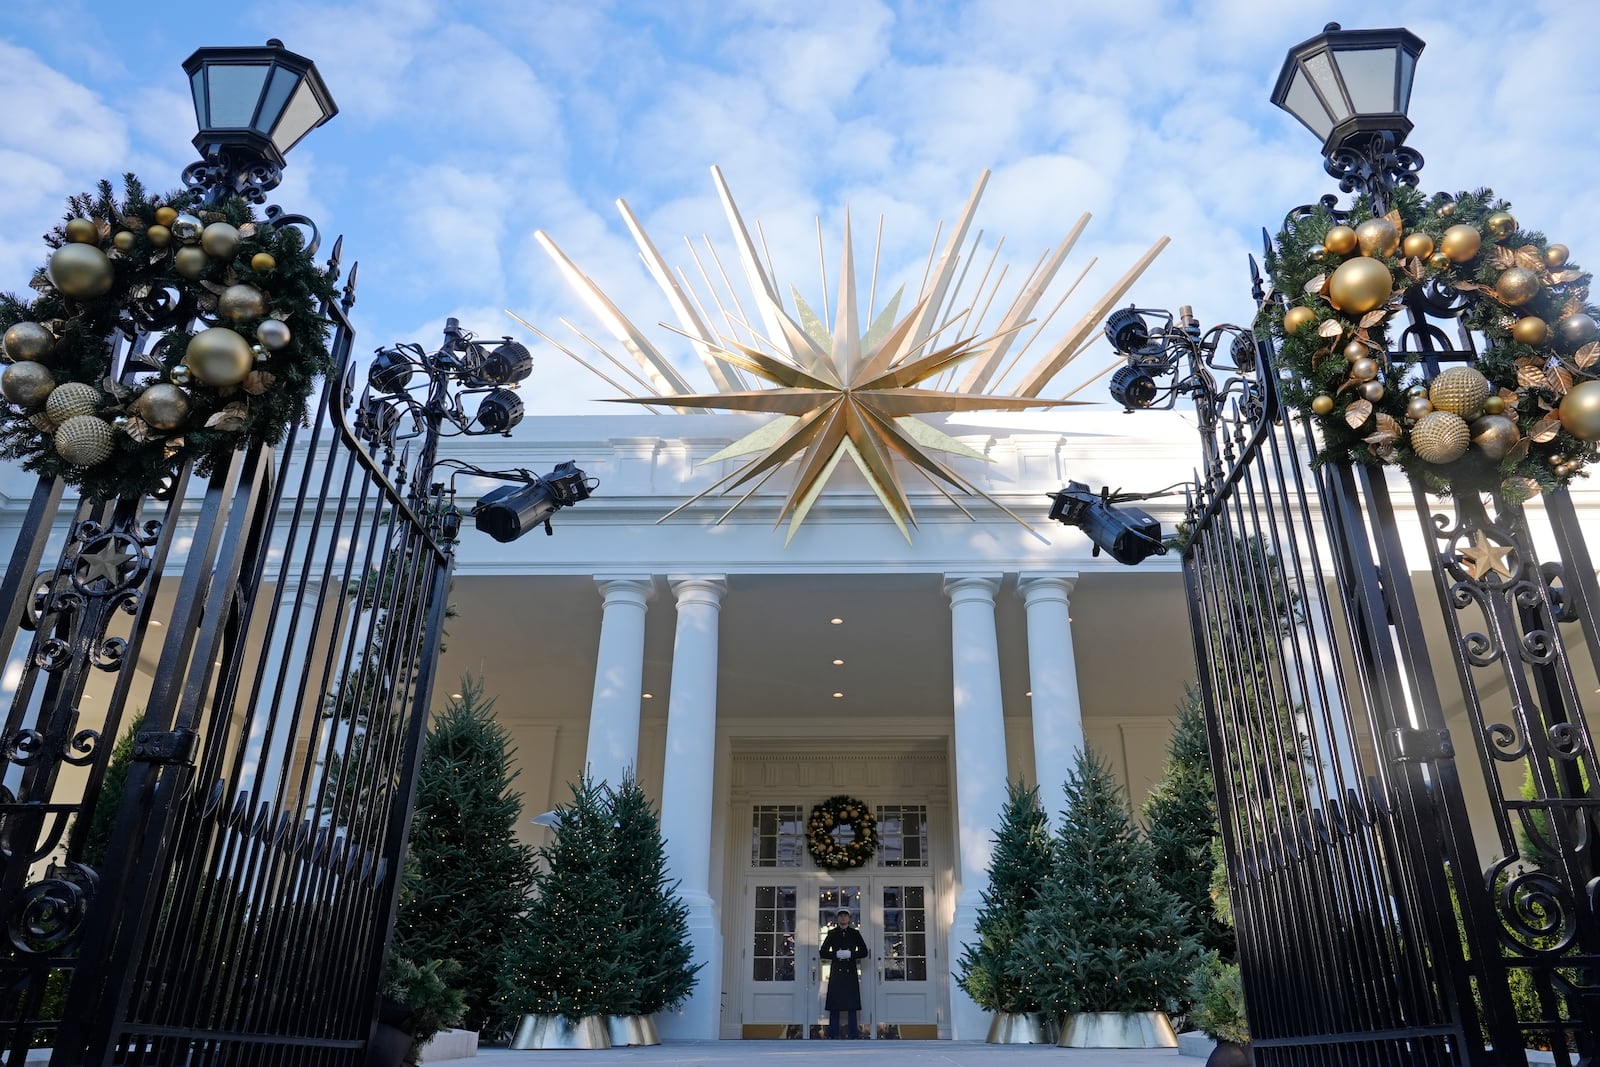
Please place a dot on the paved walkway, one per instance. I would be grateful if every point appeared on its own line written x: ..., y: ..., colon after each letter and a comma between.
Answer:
x: 840, y: 1054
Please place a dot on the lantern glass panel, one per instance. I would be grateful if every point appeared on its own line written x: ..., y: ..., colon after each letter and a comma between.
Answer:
x: 234, y: 90
x: 1369, y: 77
x: 283, y: 82
x: 303, y: 113
x: 1408, y: 70
x: 1302, y: 102
x: 197, y: 89
x: 1321, y: 70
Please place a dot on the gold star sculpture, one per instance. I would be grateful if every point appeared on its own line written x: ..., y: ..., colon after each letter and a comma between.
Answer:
x: 840, y: 391
x: 1483, y: 557
x: 107, y: 564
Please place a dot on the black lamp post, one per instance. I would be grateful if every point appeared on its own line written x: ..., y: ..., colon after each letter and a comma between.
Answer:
x: 251, y: 105
x: 1352, y: 89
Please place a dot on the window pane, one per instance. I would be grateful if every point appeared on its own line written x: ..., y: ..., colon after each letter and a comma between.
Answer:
x: 916, y: 970
x: 914, y: 896
x: 763, y: 970
x: 765, y: 944
x: 783, y: 970
x: 764, y: 895
x: 764, y: 922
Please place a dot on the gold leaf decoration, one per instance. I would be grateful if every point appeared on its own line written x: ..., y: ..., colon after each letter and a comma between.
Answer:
x: 1373, y: 317
x: 1587, y: 356
x: 1529, y: 259
x: 1394, y: 219
x: 1530, y: 374
x: 1502, y: 259
x: 247, y: 230
x: 230, y: 418
x: 136, y: 428
x: 258, y: 382
x: 1316, y: 285
x: 1358, y: 413
x: 1415, y: 268
x: 1559, y: 376
x: 1388, y: 424
x: 1330, y: 328
x: 1519, y: 452
x: 1573, y: 306
x: 1544, y: 430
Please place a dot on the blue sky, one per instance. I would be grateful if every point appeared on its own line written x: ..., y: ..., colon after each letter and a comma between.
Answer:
x: 464, y: 127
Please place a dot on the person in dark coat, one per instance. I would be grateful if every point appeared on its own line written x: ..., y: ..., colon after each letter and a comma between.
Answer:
x: 843, y: 946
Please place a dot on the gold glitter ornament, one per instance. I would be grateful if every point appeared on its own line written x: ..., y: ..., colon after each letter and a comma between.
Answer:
x: 1500, y: 225
x: 71, y: 399
x: 218, y: 357
x: 1495, y: 436
x: 28, y: 342
x: 1340, y: 240
x: 1555, y: 256
x: 239, y: 303
x: 27, y: 385
x: 1530, y: 330
x: 85, y: 440
x: 1440, y: 437
x: 219, y: 240
x: 190, y: 261
x: 1460, y: 243
x: 1378, y: 237
x: 1516, y: 286
x: 1459, y: 391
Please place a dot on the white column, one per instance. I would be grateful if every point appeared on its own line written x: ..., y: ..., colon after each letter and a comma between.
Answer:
x: 618, y: 678
x: 980, y: 757
x: 1053, y: 679
x: 687, y: 782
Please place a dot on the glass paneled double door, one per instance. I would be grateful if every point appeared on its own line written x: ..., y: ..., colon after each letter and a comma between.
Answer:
x: 786, y: 977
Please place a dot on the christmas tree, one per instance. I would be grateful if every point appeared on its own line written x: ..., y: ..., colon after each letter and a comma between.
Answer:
x: 572, y: 954
x: 989, y: 970
x: 661, y: 971
x: 1104, y: 935
x: 1182, y: 818
x: 468, y: 875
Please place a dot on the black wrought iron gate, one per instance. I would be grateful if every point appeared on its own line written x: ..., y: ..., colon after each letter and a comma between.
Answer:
x: 220, y: 887
x: 1412, y: 851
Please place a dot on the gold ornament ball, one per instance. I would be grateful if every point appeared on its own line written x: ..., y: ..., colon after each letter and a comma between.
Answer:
x: 1359, y: 285
x: 1580, y: 411
x: 1417, y: 407
x: 124, y: 240
x: 83, y: 231
x: 1445, y: 210
x: 1516, y: 286
x: 1355, y: 350
x: 1322, y: 404
x: 71, y: 399
x: 262, y: 262
x: 187, y: 228
x: 85, y: 440
x: 220, y: 240
x: 1460, y: 243
x: 1378, y: 237
x: 1417, y: 390
x: 81, y: 271
x: 1440, y: 437
x: 1500, y: 225
x: 1341, y: 240
x: 1555, y: 459
x: 1495, y: 435
x: 27, y: 385
x: 27, y: 342
x: 1372, y: 391
x: 1417, y: 246
x: 1364, y: 369
x: 273, y: 334
x: 163, y: 407
x: 159, y: 236
x: 1297, y: 319
x: 1575, y: 331
x: 1438, y: 261
x: 1555, y: 256
x: 1316, y: 253
x: 219, y: 357
x: 1459, y: 391
x: 1494, y: 405
x: 241, y: 302
x: 166, y: 216
x: 190, y: 261
x: 1530, y: 330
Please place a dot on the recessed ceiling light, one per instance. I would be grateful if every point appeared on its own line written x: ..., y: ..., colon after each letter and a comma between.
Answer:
x: 455, y: 696
x: 157, y: 622
x: 836, y: 622
x: 1029, y: 693
x: 837, y: 696
x: 648, y: 696
x: 838, y: 663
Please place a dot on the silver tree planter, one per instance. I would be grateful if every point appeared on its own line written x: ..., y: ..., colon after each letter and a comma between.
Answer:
x: 1019, y: 1028
x: 560, y: 1032
x: 632, y: 1030
x: 1116, y: 1029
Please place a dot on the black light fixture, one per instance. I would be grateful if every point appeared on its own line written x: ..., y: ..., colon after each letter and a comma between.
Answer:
x: 1134, y: 387
x: 435, y: 386
x: 1128, y: 535
x: 510, y: 511
x: 1347, y: 85
x: 261, y: 100
x: 390, y: 370
x: 508, y: 364
x: 499, y: 411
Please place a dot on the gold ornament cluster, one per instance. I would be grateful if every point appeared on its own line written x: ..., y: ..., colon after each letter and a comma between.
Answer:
x: 1523, y: 416
x: 229, y: 342
x: 835, y: 812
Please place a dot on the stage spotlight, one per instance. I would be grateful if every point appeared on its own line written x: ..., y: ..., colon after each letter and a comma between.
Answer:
x: 508, y: 512
x: 500, y: 411
x: 1133, y: 387
x: 390, y: 371
x: 508, y: 364
x: 1129, y: 535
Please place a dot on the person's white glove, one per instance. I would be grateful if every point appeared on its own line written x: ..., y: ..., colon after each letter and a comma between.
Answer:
x: 843, y: 954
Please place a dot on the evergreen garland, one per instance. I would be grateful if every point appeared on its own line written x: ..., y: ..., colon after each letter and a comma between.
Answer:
x: 570, y: 952
x: 1104, y: 935
x: 1181, y: 814
x: 661, y: 968
x: 147, y: 293
x: 470, y: 879
x: 989, y: 970
x: 1528, y: 381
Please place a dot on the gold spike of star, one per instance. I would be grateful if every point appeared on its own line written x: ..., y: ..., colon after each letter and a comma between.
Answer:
x: 1483, y: 557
